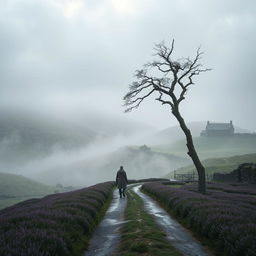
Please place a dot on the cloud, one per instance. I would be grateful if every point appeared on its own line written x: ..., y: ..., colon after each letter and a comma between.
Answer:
x: 70, y: 48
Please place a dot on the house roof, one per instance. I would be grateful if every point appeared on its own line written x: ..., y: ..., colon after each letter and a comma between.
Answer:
x: 219, y: 126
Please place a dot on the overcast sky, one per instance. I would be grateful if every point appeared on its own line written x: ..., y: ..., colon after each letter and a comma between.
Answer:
x: 68, y: 54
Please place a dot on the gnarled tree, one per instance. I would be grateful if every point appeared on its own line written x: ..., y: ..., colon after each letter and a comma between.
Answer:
x: 170, y: 80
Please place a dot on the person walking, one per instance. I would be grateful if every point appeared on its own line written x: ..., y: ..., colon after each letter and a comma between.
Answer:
x: 121, y: 181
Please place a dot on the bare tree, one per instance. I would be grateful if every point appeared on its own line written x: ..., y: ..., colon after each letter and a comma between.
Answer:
x: 171, y: 87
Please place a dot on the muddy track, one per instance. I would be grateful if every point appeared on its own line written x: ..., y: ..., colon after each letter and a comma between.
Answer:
x: 178, y: 236
x: 107, y: 236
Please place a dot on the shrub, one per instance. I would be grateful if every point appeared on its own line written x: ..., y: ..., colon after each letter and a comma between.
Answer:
x: 228, y: 219
x: 52, y: 225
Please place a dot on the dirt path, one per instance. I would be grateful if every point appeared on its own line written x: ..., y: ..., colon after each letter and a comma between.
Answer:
x: 179, y: 237
x: 106, y: 236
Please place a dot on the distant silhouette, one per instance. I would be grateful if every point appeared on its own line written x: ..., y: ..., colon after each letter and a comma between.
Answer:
x: 121, y: 181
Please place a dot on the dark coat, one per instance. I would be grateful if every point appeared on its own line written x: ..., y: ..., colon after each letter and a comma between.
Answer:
x: 121, y: 179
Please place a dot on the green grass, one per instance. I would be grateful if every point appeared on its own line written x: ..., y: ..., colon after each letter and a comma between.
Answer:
x: 175, y: 186
x: 11, y: 201
x: 140, y: 235
x: 12, y: 185
x: 16, y: 188
x: 212, y: 147
x: 220, y: 165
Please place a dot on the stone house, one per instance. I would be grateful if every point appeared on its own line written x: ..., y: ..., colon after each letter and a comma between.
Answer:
x: 218, y: 129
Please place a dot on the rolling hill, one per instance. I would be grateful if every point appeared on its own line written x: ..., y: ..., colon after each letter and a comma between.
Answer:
x: 26, y: 137
x: 220, y: 165
x: 16, y: 188
x: 209, y: 147
x: 12, y: 185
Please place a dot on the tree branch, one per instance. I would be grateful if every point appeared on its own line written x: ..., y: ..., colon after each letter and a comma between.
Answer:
x: 164, y: 101
x: 139, y: 100
x: 174, y: 73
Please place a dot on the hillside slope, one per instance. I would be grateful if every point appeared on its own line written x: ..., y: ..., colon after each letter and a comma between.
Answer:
x: 209, y: 147
x: 24, y: 137
x: 12, y: 185
x: 27, y: 138
x: 220, y: 165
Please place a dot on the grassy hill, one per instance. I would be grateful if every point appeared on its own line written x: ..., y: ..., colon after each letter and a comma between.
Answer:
x: 13, y: 185
x: 15, y: 188
x: 221, y: 165
x: 25, y: 137
x: 212, y: 147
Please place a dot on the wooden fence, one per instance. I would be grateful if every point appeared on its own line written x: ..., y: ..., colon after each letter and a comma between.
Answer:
x: 191, y: 176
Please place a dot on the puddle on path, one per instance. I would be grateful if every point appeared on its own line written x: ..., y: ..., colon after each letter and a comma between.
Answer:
x: 179, y: 237
x: 106, y: 236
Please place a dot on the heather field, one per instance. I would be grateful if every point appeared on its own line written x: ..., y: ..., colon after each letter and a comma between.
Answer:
x: 225, y: 218
x: 58, y: 224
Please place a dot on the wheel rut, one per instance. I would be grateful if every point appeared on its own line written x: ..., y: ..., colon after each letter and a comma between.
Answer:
x: 106, y: 236
x: 178, y: 236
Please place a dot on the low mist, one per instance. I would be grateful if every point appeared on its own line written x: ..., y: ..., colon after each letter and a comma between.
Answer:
x: 80, y: 149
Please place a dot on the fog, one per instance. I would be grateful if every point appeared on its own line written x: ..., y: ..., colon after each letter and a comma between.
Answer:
x: 81, y: 149
x: 66, y: 65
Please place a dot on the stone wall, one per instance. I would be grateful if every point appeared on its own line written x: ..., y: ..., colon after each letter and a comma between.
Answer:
x: 245, y: 173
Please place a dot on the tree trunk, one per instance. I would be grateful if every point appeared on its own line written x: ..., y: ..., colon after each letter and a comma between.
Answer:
x: 192, y: 152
